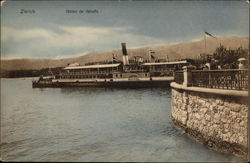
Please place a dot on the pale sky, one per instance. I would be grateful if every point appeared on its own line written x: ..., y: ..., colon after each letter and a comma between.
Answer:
x: 47, y: 31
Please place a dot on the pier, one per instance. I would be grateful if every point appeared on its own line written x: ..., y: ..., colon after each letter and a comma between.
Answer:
x: 211, y: 106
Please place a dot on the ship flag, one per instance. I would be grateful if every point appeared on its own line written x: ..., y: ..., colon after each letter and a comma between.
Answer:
x: 114, y: 57
x: 153, y: 57
x: 151, y: 53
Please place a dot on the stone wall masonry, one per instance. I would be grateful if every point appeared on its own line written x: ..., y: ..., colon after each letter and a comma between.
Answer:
x: 220, y: 122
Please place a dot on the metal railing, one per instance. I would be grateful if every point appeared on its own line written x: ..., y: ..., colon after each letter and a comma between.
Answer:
x: 233, y: 79
x: 178, y: 77
x: 221, y: 79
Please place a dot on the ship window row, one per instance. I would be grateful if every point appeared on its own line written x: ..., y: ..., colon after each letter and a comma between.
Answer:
x: 118, y: 75
x: 89, y: 72
x: 94, y: 70
x: 84, y: 76
x: 121, y: 75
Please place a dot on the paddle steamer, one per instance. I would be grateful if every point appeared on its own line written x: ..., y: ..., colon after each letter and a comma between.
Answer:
x: 129, y: 73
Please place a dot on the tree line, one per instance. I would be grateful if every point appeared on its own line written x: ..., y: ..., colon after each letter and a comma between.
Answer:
x: 223, y: 57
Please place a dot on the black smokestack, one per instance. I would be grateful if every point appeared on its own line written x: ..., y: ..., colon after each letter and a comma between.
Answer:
x: 124, y: 49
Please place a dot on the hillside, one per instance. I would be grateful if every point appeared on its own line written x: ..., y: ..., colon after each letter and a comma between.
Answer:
x: 174, y: 52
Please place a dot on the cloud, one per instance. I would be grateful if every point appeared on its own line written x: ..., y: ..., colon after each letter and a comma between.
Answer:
x: 71, y: 55
x: 196, y: 39
x: 73, y: 38
x: 20, y: 35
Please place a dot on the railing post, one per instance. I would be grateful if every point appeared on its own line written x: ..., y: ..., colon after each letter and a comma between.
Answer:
x: 187, y: 75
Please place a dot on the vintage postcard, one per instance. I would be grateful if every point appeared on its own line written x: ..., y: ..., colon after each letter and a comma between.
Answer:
x: 124, y: 81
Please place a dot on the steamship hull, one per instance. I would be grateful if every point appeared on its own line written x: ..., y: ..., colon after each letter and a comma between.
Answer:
x: 104, y: 84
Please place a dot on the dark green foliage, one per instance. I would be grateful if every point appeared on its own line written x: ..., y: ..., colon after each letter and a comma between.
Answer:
x: 228, y: 58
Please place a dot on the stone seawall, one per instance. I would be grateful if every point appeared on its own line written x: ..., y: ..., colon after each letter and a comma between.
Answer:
x: 213, y: 119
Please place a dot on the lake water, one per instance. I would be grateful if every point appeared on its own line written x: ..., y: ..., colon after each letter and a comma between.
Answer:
x: 93, y: 125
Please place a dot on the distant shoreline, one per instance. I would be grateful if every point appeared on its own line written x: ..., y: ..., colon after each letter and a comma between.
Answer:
x: 19, y: 77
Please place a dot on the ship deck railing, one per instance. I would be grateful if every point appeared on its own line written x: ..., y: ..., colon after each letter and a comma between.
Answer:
x: 110, y: 72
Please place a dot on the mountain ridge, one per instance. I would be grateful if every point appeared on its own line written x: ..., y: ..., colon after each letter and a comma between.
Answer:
x: 191, y: 49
